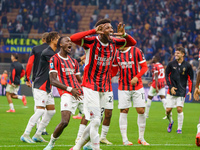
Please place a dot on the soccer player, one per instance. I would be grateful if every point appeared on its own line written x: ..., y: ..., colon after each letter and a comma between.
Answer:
x: 4, y: 77
x: 131, y: 89
x: 158, y: 85
x: 65, y: 75
x: 178, y: 72
x: 100, y: 52
x: 33, y: 62
x: 196, y: 97
x: 17, y: 72
x: 42, y: 93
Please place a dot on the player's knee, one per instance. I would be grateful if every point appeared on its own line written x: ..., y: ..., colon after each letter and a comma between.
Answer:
x: 64, y: 123
x: 168, y: 110
x: 96, y: 122
x: 179, y: 110
x: 108, y: 114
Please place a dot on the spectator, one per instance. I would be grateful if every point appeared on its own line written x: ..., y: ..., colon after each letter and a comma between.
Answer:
x: 4, y: 21
x: 4, y: 77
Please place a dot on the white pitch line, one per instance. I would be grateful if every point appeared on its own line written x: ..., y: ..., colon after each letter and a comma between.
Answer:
x: 32, y: 145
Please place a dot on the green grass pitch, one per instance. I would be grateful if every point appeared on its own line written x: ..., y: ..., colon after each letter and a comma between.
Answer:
x: 12, y: 126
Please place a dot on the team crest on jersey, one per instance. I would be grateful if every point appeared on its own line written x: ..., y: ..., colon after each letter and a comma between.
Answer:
x: 91, y: 114
x: 51, y: 65
x: 183, y: 71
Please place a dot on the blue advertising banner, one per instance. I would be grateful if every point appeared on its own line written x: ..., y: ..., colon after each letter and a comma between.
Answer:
x: 16, y: 49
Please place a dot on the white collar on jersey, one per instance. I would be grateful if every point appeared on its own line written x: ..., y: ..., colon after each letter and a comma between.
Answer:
x: 101, y: 42
x: 126, y: 50
x: 63, y: 57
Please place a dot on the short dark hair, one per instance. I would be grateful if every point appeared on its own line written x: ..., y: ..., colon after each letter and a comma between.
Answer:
x: 181, y: 49
x: 15, y: 55
x: 102, y: 21
x: 51, y: 36
x: 157, y: 57
x: 59, y: 41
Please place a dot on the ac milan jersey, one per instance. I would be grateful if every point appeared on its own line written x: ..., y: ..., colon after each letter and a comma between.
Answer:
x: 199, y: 55
x: 128, y: 62
x: 98, y: 63
x: 34, y: 60
x: 42, y: 81
x: 17, y: 72
x: 158, y: 68
x: 67, y: 69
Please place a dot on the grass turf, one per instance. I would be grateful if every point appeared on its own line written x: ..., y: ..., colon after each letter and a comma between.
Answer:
x: 12, y: 126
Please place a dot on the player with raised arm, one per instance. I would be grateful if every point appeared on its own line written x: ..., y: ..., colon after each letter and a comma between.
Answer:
x: 178, y: 72
x: 196, y: 97
x: 64, y: 74
x: 131, y: 89
x: 33, y: 62
x: 17, y: 72
x: 158, y: 84
x: 42, y: 93
x: 100, y: 52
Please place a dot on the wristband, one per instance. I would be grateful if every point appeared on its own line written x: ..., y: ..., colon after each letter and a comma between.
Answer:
x: 69, y: 89
x: 125, y: 34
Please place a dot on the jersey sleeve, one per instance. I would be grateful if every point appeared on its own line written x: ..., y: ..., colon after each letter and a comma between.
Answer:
x: 86, y: 42
x: 120, y: 43
x: 13, y: 72
x: 141, y: 58
x: 167, y: 75
x: 53, y: 65
x: 190, y: 78
x: 77, y: 72
x: 30, y: 65
x: 155, y: 69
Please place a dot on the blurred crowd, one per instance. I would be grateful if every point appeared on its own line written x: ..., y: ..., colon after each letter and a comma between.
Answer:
x: 159, y: 26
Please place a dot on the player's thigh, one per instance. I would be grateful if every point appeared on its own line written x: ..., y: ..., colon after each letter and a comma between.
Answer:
x: 91, y: 105
x: 161, y: 91
x: 69, y: 103
x: 138, y: 97
x: 180, y: 101
x: 107, y: 100
x: 50, y: 100
x: 40, y: 97
x: 152, y: 92
x: 170, y: 101
x: 124, y: 99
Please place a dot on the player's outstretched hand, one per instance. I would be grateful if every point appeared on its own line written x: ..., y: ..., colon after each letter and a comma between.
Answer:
x: 134, y: 81
x: 196, y: 94
x: 99, y: 29
x: 173, y: 90
x: 120, y: 29
x: 76, y: 93
x: 190, y: 96
x: 28, y: 83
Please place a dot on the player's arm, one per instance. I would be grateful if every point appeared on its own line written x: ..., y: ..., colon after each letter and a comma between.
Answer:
x: 29, y: 68
x: 197, y: 90
x: 12, y: 77
x: 167, y: 78
x: 22, y: 73
x: 156, y: 80
x: 190, y: 81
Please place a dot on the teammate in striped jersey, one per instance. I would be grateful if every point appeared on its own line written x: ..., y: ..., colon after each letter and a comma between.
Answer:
x: 65, y: 75
x: 196, y: 97
x: 131, y: 89
x: 100, y: 51
x: 158, y: 85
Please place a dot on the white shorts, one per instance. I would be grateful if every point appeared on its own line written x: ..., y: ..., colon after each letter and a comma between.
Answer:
x: 125, y: 98
x: 109, y: 100
x: 94, y: 103
x: 174, y: 101
x: 152, y: 91
x: 42, y: 98
x: 68, y: 102
x: 11, y: 89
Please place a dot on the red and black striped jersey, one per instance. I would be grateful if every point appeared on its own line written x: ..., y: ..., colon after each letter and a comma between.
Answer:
x: 67, y: 69
x: 98, y: 63
x: 17, y: 72
x: 42, y: 81
x: 34, y: 60
x: 128, y: 62
x: 158, y: 68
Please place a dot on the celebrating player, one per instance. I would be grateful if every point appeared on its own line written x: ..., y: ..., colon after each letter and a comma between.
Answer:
x: 42, y: 93
x: 100, y: 51
x: 17, y: 72
x: 158, y: 84
x: 65, y: 75
x: 196, y: 97
x: 131, y: 89
x: 33, y: 61
x: 178, y: 72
